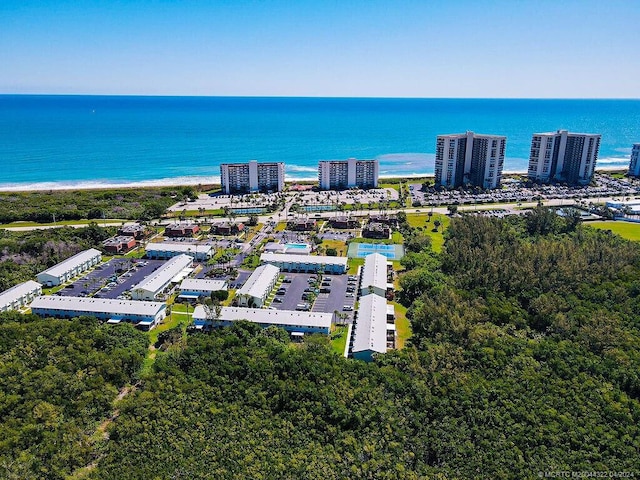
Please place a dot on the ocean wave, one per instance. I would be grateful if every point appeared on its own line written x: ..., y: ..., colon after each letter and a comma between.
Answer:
x: 625, y: 150
x: 98, y: 184
x: 300, y: 168
x: 616, y: 160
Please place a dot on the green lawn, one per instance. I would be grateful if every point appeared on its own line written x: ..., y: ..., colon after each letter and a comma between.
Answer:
x: 109, y: 221
x: 403, y: 326
x: 339, y: 245
x: 628, y: 230
x: 217, y: 212
x: 353, y: 264
x: 339, y: 338
x: 422, y: 220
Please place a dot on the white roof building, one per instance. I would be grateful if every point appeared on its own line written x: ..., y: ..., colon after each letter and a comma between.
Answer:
x: 195, y: 287
x: 290, y: 320
x: 19, y: 295
x: 305, y: 263
x: 370, y: 334
x: 155, y: 283
x: 144, y: 314
x: 258, y: 286
x: 164, y: 250
x: 374, y: 275
x: 70, y: 268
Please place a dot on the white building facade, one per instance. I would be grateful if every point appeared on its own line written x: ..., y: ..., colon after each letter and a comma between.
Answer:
x: 469, y: 159
x: 19, y: 296
x: 193, y: 288
x: 341, y: 174
x: 634, y: 164
x: 71, y: 267
x: 144, y: 315
x: 252, y: 177
x: 155, y: 283
x: 256, y: 289
x: 305, y: 263
x: 166, y: 250
x: 291, y: 321
x: 563, y: 156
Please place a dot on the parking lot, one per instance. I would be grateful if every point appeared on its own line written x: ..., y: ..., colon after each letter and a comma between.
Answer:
x: 111, y: 279
x: 335, y: 300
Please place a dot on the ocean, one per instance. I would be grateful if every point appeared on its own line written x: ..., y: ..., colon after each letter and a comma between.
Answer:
x: 51, y: 141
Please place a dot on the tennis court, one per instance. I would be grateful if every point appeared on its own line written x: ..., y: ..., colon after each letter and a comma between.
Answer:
x: 361, y: 250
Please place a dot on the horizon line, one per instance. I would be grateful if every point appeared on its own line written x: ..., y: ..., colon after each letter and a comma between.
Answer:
x: 346, y: 97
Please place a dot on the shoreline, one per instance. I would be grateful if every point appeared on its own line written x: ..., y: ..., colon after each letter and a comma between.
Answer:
x: 210, y: 180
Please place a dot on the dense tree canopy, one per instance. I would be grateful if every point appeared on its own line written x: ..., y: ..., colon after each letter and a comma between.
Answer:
x: 57, y: 379
x: 24, y: 254
x: 525, y: 358
x: 127, y: 203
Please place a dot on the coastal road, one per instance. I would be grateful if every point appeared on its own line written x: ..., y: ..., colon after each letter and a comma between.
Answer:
x: 326, y: 215
x: 26, y: 228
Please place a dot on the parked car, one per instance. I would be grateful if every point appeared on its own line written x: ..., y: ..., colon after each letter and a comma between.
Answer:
x: 347, y: 308
x: 350, y: 295
x: 277, y: 300
x: 325, y: 290
x: 281, y: 292
x: 286, y: 280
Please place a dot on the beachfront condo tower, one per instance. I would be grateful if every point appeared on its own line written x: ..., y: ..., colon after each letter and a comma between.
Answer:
x: 634, y: 164
x: 468, y: 159
x: 252, y: 177
x: 341, y: 174
x: 563, y: 157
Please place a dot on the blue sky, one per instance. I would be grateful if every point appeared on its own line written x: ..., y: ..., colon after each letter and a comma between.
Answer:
x: 368, y: 48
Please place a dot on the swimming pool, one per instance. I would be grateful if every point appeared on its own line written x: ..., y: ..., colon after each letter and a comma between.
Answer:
x: 298, y: 248
x: 297, y: 245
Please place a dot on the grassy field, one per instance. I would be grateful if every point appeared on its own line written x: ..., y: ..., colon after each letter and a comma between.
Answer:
x: 353, y: 264
x: 253, y: 231
x: 100, y: 221
x: 218, y: 212
x: 395, y: 186
x: 339, y: 338
x: 403, y: 326
x: 339, y: 245
x: 628, y: 230
x: 422, y: 220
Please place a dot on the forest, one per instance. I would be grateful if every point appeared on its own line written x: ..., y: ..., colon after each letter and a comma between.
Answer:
x: 57, y: 379
x: 24, y: 254
x: 58, y: 205
x: 525, y: 358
